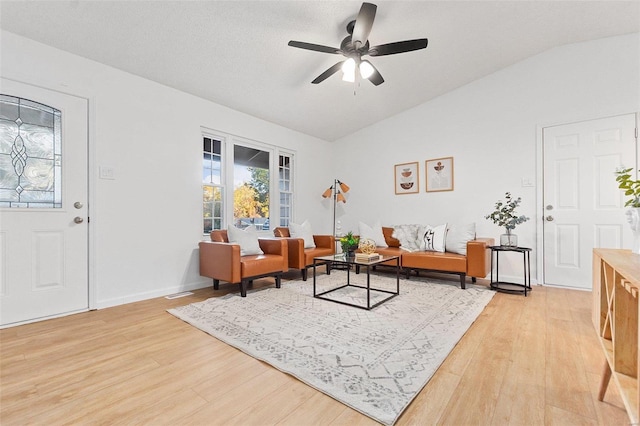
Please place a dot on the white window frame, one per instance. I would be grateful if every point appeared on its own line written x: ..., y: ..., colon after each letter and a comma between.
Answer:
x: 228, y: 141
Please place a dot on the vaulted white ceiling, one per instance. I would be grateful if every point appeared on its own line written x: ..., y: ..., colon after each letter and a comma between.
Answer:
x: 235, y: 53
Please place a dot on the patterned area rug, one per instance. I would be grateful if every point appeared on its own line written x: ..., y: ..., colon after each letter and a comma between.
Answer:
x: 373, y: 361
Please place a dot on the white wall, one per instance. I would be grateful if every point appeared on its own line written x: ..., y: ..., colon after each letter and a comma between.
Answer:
x: 490, y: 127
x: 146, y: 224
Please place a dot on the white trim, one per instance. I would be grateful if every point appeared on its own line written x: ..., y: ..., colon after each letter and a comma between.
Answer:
x: 137, y: 297
x: 228, y: 141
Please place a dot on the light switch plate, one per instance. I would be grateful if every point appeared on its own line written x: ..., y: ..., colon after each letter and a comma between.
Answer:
x: 527, y: 182
x: 107, y: 172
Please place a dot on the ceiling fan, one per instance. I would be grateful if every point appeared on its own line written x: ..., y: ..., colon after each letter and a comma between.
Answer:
x: 356, y: 45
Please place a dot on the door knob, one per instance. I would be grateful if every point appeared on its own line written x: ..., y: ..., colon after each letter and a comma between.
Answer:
x: 78, y: 219
x: 549, y: 218
x: 549, y: 207
x: 77, y: 205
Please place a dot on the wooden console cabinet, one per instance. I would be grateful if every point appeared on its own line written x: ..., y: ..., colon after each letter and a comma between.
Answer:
x: 616, y: 285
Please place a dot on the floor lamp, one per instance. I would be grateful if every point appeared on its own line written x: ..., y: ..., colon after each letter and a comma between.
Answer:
x: 337, y: 190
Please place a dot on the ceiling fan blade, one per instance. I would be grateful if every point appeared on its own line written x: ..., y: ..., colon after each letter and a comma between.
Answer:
x: 328, y: 73
x: 314, y: 47
x: 398, y: 47
x: 375, y: 77
x: 363, y: 25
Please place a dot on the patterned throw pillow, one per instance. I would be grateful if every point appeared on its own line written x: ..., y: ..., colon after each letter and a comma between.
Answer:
x: 433, y: 238
x: 408, y: 236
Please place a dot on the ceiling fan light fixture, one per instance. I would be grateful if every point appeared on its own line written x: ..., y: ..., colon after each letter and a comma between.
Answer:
x: 349, y: 70
x: 366, y: 69
x: 355, y: 45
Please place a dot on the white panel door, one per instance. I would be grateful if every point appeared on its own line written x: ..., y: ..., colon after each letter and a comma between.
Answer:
x: 584, y: 208
x: 43, y: 250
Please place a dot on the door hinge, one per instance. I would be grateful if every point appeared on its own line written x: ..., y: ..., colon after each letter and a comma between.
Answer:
x: 636, y: 133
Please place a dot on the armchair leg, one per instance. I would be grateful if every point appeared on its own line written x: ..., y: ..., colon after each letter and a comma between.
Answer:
x: 463, y: 278
x: 216, y: 284
x: 304, y: 274
x: 473, y: 279
x: 278, y: 280
x: 243, y: 288
x: 328, y: 265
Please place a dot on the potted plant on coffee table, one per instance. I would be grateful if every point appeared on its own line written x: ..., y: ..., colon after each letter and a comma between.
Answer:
x: 349, y: 244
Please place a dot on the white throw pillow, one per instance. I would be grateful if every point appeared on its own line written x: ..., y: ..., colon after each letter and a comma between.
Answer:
x: 373, y: 233
x: 433, y: 238
x: 246, y: 238
x: 407, y: 235
x: 458, y: 236
x: 302, y: 231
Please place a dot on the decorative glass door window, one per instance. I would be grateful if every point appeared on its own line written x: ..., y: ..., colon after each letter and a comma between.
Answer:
x: 30, y: 154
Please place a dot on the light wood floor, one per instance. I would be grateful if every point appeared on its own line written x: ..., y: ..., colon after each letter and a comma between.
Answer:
x: 530, y: 361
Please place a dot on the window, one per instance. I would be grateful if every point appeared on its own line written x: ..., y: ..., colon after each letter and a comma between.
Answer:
x: 31, y: 161
x: 285, y: 188
x: 212, y: 187
x: 243, y: 185
x: 251, y: 187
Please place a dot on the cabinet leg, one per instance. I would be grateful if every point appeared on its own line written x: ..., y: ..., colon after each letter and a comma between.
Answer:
x: 606, y: 376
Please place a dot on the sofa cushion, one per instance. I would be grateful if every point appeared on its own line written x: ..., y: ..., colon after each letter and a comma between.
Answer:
x: 433, y: 238
x: 303, y: 231
x: 435, y: 261
x: 458, y: 236
x: 246, y: 238
x: 372, y: 233
x: 408, y: 236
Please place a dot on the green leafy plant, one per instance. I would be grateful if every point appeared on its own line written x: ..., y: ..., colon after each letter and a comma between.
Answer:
x: 630, y: 186
x: 505, y: 213
x: 349, y: 242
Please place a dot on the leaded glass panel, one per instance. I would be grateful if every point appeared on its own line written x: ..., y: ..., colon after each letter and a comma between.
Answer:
x: 30, y: 154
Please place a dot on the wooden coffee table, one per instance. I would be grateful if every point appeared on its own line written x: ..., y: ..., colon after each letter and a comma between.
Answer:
x: 342, y: 259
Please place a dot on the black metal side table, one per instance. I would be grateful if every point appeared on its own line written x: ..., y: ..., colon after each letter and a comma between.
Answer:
x: 508, y: 287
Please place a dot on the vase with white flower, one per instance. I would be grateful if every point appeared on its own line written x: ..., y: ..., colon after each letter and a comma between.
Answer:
x: 505, y: 216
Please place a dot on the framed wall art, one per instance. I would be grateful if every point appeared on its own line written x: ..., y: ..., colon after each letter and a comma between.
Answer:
x: 407, y: 178
x: 439, y: 172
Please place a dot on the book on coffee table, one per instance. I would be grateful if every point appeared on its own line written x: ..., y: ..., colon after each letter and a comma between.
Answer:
x: 367, y: 257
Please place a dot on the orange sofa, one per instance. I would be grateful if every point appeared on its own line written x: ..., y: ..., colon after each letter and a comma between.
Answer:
x: 475, y: 264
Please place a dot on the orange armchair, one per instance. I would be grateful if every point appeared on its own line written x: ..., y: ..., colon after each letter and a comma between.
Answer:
x: 221, y: 261
x: 302, y: 258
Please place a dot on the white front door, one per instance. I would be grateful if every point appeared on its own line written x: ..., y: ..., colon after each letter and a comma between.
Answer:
x: 43, y: 203
x: 583, y: 207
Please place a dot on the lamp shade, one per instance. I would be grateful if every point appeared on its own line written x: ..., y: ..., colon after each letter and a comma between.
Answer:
x: 344, y: 187
x: 327, y: 193
x: 349, y: 70
x: 366, y: 69
x: 340, y: 198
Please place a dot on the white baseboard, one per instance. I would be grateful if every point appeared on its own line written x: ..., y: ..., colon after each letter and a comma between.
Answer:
x: 102, y: 304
